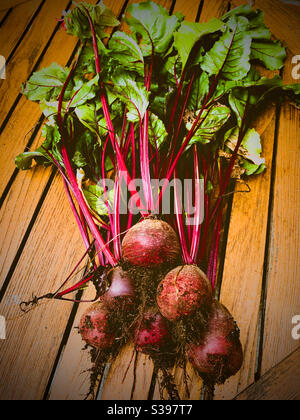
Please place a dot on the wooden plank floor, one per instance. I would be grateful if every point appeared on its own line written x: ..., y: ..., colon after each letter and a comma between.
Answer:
x: 39, y: 240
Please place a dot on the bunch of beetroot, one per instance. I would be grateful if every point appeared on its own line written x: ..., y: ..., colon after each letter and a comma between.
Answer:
x: 159, y: 310
x: 145, y: 105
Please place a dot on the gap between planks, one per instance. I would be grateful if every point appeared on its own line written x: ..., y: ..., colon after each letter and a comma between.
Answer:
x: 4, y: 15
x: 281, y: 383
x: 12, y: 4
x: 20, y: 19
x: 282, y: 300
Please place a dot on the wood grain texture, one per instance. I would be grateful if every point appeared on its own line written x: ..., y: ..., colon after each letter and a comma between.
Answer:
x: 24, y: 60
x: 283, y: 274
x: 7, y: 4
x: 72, y: 376
x: 14, y: 26
x: 212, y: 9
x: 281, y: 383
x: 53, y: 248
x: 281, y: 19
x: 3, y: 13
x: 129, y: 377
x: 16, y: 214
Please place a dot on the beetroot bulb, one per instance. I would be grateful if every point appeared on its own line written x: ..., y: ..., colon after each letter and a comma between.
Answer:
x: 94, y: 327
x: 121, y: 290
x: 150, y: 243
x: 183, y: 291
x: 219, y: 355
x: 151, y: 333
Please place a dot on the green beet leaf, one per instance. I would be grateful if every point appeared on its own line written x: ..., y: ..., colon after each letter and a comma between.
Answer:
x: 153, y: 26
x: 47, y: 83
x: 157, y: 131
x: 96, y: 199
x: 270, y: 53
x: 77, y: 22
x: 190, y: 32
x: 230, y: 55
x: 213, y: 120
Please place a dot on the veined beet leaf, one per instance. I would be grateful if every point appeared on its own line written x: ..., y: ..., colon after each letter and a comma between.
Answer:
x: 46, y: 84
x: 77, y: 22
x: 126, y: 50
x: 191, y: 32
x: 153, y: 26
x: 213, y: 120
x: 230, y: 56
x: 270, y: 53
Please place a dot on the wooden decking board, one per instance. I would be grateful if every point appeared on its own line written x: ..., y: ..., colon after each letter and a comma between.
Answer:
x: 72, y: 379
x: 283, y: 259
x: 18, y: 21
x: 11, y: 4
x: 28, y: 55
x: 213, y: 9
x: 17, y: 221
x: 282, y: 382
x: 42, y: 267
x: 244, y: 260
x: 3, y: 16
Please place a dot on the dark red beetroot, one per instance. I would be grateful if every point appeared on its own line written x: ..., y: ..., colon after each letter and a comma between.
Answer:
x: 219, y: 355
x: 152, y: 333
x: 183, y: 291
x: 121, y: 290
x: 94, y: 328
x: 150, y: 243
